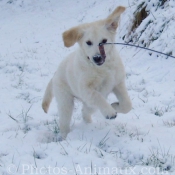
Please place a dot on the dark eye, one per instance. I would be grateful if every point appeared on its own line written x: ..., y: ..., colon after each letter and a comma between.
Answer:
x: 89, y: 43
x: 104, y: 40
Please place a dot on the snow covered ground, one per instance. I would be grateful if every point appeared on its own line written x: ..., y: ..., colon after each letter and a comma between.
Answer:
x: 31, y: 48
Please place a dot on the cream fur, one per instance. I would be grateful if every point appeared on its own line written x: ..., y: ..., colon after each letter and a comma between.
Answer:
x: 78, y: 76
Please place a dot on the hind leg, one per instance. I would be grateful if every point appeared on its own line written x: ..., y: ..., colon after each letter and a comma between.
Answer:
x: 87, y: 112
x: 65, y: 103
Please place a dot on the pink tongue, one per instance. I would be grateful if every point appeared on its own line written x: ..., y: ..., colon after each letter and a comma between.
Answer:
x: 102, y: 51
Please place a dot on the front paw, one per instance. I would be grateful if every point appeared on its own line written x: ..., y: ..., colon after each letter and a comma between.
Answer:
x: 111, y: 117
x: 110, y: 113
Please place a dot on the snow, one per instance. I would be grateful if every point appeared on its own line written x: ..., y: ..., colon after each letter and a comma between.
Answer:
x: 31, y: 48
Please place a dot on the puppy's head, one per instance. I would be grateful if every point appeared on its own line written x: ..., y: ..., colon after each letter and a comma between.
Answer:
x: 91, y: 34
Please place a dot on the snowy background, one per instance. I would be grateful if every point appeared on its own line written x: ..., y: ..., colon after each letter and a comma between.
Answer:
x: 31, y: 48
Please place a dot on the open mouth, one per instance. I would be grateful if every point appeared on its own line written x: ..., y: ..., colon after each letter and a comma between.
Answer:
x: 98, y: 59
x: 100, y: 62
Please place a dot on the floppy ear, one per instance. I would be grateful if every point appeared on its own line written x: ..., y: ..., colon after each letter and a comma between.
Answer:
x: 71, y: 36
x: 113, y: 19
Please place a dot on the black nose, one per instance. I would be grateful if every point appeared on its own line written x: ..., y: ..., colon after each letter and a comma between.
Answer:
x: 97, y: 58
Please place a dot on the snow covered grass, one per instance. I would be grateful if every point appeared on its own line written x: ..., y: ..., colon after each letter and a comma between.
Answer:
x: 151, y: 23
x: 31, y: 47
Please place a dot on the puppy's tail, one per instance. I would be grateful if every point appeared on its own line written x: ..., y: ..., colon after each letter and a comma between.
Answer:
x: 47, y: 97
